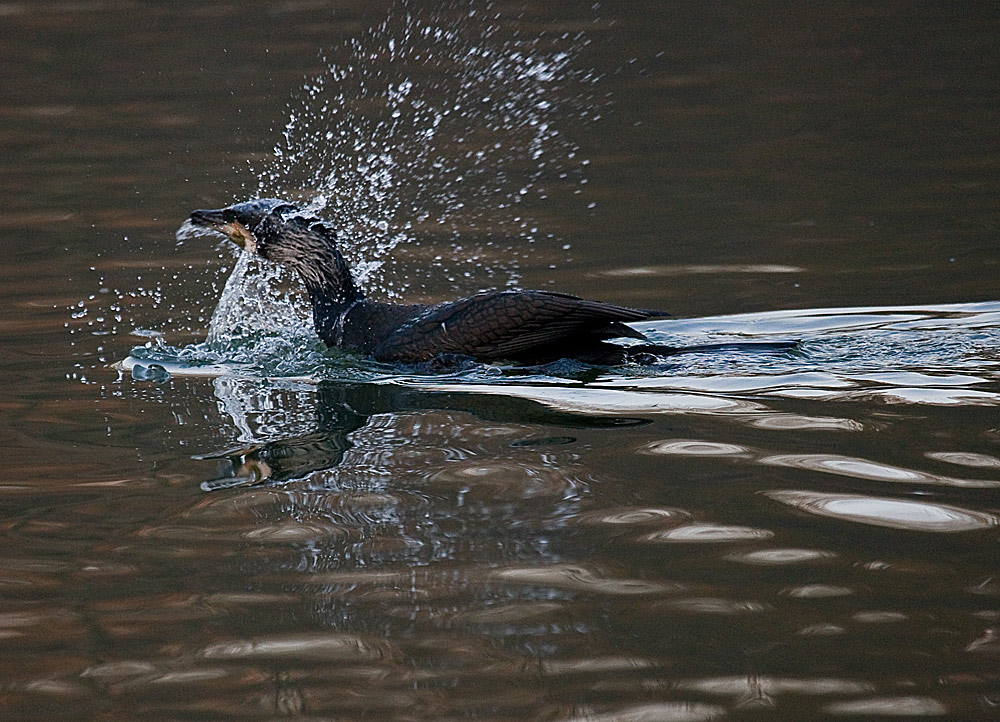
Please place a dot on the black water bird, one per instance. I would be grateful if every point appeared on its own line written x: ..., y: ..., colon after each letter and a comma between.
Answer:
x: 524, y: 326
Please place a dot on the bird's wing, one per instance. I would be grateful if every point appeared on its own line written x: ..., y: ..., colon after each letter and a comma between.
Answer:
x: 504, y: 324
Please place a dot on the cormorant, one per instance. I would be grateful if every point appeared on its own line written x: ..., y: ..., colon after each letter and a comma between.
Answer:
x: 532, y: 326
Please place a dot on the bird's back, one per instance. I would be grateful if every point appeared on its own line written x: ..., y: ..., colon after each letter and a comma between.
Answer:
x: 488, y: 326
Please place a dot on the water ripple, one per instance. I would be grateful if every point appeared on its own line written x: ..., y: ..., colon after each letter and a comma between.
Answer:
x: 889, y: 706
x: 899, y: 395
x: 326, y: 647
x: 865, y: 469
x: 684, y: 447
x: 510, y: 613
x: 743, y: 686
x: 594, y: 665
x: 705, y: 533
x: 602, y: 401
x: 656, y: 712
x: 699, y: 269
x: 505, y: 478
x: 795, y: 422
x: 579, y: 578
x: 965, y: 458
x: 877, y: 617
x: 988, y: 643
x: 892, y: 513
x: 780, y: 557
x: 822, y: 629
x: 637, y: 516
x: 817, y: 591
x: 713, y: 606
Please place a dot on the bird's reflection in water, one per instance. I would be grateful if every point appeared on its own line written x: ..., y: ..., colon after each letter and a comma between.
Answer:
x: 388, y: 476
x: 346, y: 418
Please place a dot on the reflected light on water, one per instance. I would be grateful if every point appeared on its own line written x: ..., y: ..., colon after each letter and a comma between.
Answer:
x: 656, y: 712
x: 742, y: 686
x: 818, y: 591
x: 694, y: 448
x: 780, y: 557
x: 699, y: 269
x: 591, y: 400
x: 965, y: 458
x: 889, y: 707
x: 713, y: 606
x: 892, y: 513
x: 635, y: 517
x: 705, y: 533
x: 578, y: 578
x: 325, y: 647
x: 865, y: 469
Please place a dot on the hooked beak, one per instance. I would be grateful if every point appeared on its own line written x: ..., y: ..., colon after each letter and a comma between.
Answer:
x: 233, y: 230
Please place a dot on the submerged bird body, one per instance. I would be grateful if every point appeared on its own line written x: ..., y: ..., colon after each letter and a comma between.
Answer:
x: 492, y: 325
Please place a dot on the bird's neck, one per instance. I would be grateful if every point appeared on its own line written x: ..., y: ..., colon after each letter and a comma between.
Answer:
x: 321, y: 266
x: 332, y: 292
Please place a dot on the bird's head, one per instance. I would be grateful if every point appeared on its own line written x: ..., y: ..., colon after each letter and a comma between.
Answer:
x: 243, y: 223
x: 280, y: 231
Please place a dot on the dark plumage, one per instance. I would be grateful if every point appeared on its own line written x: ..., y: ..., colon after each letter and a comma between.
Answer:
x: 514, y: 325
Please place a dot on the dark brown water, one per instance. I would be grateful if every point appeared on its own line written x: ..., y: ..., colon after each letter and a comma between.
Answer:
x: 252, y: 529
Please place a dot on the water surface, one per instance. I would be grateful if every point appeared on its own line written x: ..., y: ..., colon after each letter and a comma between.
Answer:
x: 241, y: 524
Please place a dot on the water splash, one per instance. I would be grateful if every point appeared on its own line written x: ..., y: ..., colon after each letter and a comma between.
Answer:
x: 251, y: 295
x: 125, y: 302
x: 433, y: 136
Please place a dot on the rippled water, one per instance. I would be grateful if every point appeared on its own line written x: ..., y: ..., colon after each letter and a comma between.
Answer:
x: 799, y: 535
x: 237, y: 523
